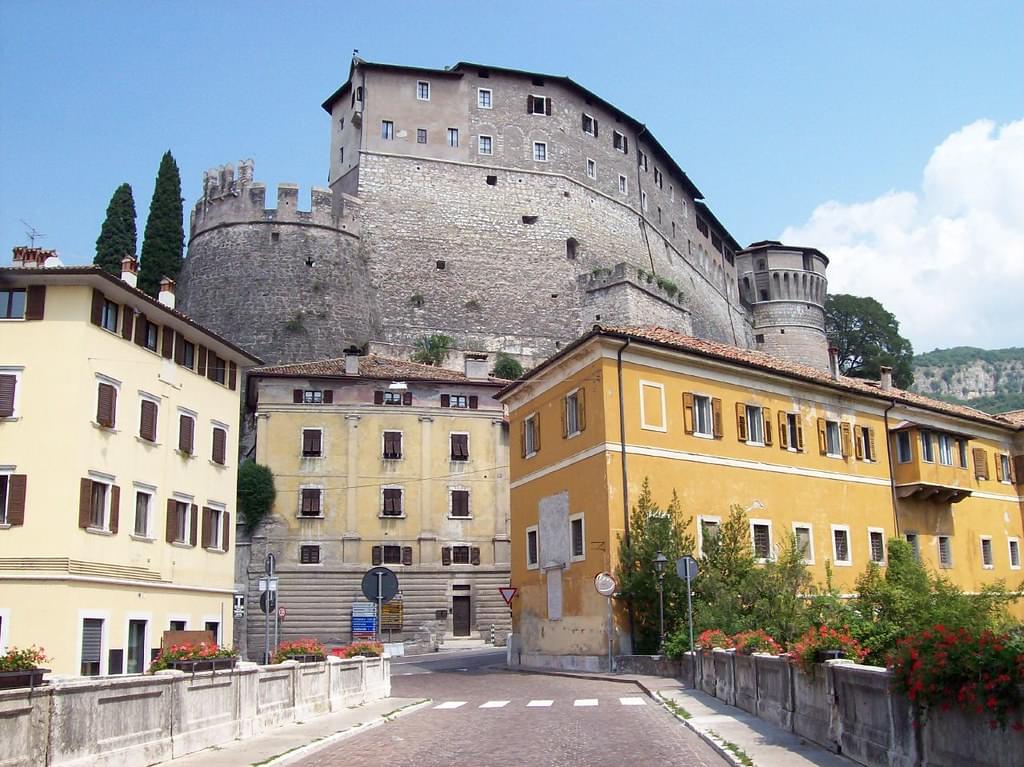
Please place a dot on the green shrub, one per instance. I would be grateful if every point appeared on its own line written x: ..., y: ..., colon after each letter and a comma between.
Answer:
x: 507, y: 367
x: 255, y: 493
x: 432, y: 350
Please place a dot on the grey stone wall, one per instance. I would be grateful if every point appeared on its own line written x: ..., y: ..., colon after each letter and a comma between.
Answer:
x: 628, y: 296
x: 793, y: 330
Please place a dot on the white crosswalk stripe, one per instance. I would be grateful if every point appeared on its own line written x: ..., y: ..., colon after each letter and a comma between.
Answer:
x: 581, y: 702
x: 539, y: 703
x: 631, y: 701
x: 495, y: 704
x: 451, y: 704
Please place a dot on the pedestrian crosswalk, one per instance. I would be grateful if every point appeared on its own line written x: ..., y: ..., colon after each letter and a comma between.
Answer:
x: 450, y: 705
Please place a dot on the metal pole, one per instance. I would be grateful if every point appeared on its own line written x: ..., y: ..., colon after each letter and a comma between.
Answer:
x: 380, y: 605
x: 277, y: 627
x: 611, y: 661
x: 689, y: 610
x: 266, y: 628
x: 661, y: 612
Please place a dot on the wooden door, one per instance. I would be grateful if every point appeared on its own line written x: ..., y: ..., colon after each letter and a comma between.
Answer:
x: 460, y: 616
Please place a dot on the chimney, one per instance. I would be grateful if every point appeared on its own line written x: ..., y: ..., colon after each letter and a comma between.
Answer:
x: 352, y: 361
x: 32, y: 258
x: 130, y: 271
x: 833, y: 362
x: 476, y: 366
x: 166, y: 296
x: 886, y: 378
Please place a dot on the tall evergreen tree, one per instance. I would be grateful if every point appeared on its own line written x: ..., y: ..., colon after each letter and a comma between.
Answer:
x: 164, y: 238
x: 118, y: 234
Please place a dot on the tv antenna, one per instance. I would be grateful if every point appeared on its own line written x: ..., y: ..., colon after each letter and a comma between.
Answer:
x: 31, y: 232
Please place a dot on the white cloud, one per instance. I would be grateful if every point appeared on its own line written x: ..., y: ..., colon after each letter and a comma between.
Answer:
x: 948, y: 259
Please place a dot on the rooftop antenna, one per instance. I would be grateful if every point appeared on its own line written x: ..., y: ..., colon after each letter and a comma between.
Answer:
x: 31, y: 232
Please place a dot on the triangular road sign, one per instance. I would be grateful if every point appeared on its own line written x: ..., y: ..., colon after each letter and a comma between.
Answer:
x: 508, y: 593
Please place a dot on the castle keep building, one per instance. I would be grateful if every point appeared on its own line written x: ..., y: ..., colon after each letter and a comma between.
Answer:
x: 506, y: 209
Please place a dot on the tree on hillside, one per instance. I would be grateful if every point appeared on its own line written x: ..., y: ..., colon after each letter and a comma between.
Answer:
x: 868, y: 337
x: 117, y: 235
x: 164, y: 238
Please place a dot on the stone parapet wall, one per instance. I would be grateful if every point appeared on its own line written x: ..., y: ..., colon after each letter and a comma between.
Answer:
x: 140, y: 720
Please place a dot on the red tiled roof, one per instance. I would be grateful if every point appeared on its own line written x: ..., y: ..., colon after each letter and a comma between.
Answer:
x: 375, y: 367
x: 1013, y: 416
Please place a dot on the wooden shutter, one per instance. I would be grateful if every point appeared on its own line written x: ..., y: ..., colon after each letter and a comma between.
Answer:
x: 147, y: 426
x: 407, y: 398
x: 845, y: 432
x: 1017, y: 469
x: 84, y: 502
x: 766, y: 418
x: 140, y: 329
x: 583, y: 122
x: 106, y: 404
x: 783, y: 430
x: 522, y: 438
x: 529, y: 105
x: 536, y: 433
x: 474, y: 402
x: 625, y: 145
x: 446, y: 400
x: 741, y: 422
x: 474, y: 555
x: 225, y: 541
x: 220, y: 439
x: 377, y: 555
x: 201, y: 360
x: 171, y: 526
x: 233, y: 378
x: 207, y: 527
x: 378, y: 398
x: 871, y: 443
x: 716, y: 412
x: 186, y: 433
x: 17, y: 485
x: 35, y: 302
x: 581, y: 409
x: 1000, y: 476
x: 980, y: 463
x: 565, y: 416
x: 407, y: 555
x: 822, y: 438
x: 212, y: 362
x: 297, y: 396
x: 858, y: 444
x: 446, y: 555
x: 328, y: 396
x: 167, y: 347
x: 595, y: 127
x: 7, y: 388
x: 127, y: 322
x: 688, y: 412
x: 547, y: 106
x: 799, y: 433
x: 193, y: 525
x: 96, y: 315
x: 179, y: 348
x: 115, y: 507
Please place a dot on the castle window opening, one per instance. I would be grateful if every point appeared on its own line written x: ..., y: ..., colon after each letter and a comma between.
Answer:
x: 484, y: 98
x: 359, y: 94
x: 539, y: 81
x: 673, y: 230
x: 422, y: 90
x: 341, y: 154
x: 759, y: 338
x: 439, y: 265
x: 570, y: 247
x: 529, y: 219
x: 589, y: 125
x: 310, y: 261
x: 492, y: 181
x: 764, y: 294
x: 591, y: 169
x: 483, y: 73
x: 762, y: 265
x: 484, y: 145
x: 641, y: 159
x: 659, y: 214
x: 702, y: 227
x: 554, y: 295
x: 341, y: 124
x: 643, y: 199
x: 538, y: 105
x: 808, y: 262
x: 620, y: 142
x: 421, y: 135
x: 540, y: 151
x: 453, y: 137
x: 387, y: 130
x: 623, y: 184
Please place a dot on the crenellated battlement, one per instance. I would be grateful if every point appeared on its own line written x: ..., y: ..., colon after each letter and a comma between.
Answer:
x: 230, y: 198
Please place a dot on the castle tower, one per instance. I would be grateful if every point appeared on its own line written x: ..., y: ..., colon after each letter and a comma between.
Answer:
x: 286, y: 284
x: 786, y: 287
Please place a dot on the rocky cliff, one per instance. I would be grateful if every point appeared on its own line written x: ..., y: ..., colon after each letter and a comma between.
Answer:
x: 990, y: 380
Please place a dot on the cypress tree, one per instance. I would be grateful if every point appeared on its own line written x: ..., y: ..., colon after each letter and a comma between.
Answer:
x: 117, y: 235
x: 164, y: 238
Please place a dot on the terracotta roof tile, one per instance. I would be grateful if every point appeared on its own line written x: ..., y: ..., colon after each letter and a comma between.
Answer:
x: 374, y: 367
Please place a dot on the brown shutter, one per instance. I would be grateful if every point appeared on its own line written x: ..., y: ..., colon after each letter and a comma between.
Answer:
x: 407, y: 555
x: 207, y: 526
x: 186, y: 433
x: 378, y: 398
x: 529, y: 105
x: 766, y: 417
x: 115, y: 507
x: 474, y: 555
x: 7, y: 386
x: 16, y: 491
x: 1017, y: 466
x: 583, y: 122
x: 84, y: 503
x: 783, y: 430
x: 106, y: 398
x: 581, y: 409
x: 328, y: 396
x: 446, y: 400
x: 845, y: 432
x: 871, y: 443
x: 193, y: 524
x: 376, y: 556
x: 297, y: 396
x: 474, y: 402
x: 171, y: 525
x: 980, y: 463
x: 822, y: 439
x: 536, y: 433
x: 127, y: 322
x: 35, y: 302
x: 741, y: 422
x: 688, y: 412
x: 625, y: 145
x: 547, y: 106
x: 96, y: 315
x: 999, y: 469
x: 225, y: 541
x: 716, y: 410
x: 522, y: 438
x: 140, y: 329
x: 201, y: 360
x: 595, y: 127
x: 799, y: 433
x: 446, y: 555
x: 565, y: 417
x: 233, y: 378
x: 147, y: 426
x: 179, y: 348
x: 167, y: 348
x: 220, y: 438
x: 211, y: 364
x: 407, y: 398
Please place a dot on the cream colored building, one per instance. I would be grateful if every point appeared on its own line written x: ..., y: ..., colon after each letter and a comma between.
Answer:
x: 119, y: 421
x: 382, y: 461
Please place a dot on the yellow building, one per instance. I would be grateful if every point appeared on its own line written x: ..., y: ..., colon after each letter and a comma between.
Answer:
x: 382, y: 461
x: 844, y: 464
x: 118, y: 441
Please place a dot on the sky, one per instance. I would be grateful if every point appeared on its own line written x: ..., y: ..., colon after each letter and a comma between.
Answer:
x: 890, y: 135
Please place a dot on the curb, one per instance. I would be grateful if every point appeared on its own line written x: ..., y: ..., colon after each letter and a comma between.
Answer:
x: 355, y: 729
x: 704, y: 735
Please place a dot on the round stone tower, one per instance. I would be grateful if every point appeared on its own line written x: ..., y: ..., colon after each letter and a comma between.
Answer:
x: 785, y: 288
x: 286, y: 284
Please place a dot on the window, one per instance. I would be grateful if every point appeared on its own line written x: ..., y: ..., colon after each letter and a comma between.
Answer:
x: 392, y: 398
x: 575, y: 416
x: 945, y: 449
x: 186, y: 433
x: 92, y: 646
x: 540, y: 151
x: 136, y: 647
x: 358, y: 95
x: 460, y: 555
x: 755, y: 425
x: 986, y: 552
x: 213, y: 528
x: 1003, y: 468
x: 311, y: 503
x: 309, y: 555
x: 708, y: 532
x: 12, y: 304
x: 571, y: 246
x: 927, y: 447
x: 876, y: 543
x: 459, y: 447
x: 962, y: 447
x: 577, y: 548
x: 188, y: 354
x: 591, y: 169
x: 761, y: 536
x: 623, y: 184
x: 903, y: 447
x: 531, y: 548
x: 458, y: 502
x: 804, y: 542
x: 99, y: 505
x: 177, y: 625
x: 216, y: 368
x: 484, y: 145
x: 387, y: 130
x: 392, y: 444
x: 422, y: 90
x: 5, y: 481
x: 659, y: 178
x: 865, y: 443
x: 392, y: 502
x: 945, y: 551
x: 106, y: 405
x: 915, y: 544
x: 589, y: 124
x: 143, y: 503
x: 421, y: 135
x: 538, y: 105
x: 643, y: 199
x: 453, y: 137
x: 312, y: 396
x: 833, y: 440
x: 341, y: 154
x: 391, y: 555
x: 179, y: 524
x: 841, y: 545
x: 619, y: 142
x: 454, y: 400
x: 214, y: 628
x: 483, y: 98
x: 108, y: 316
x: 1014, y: 546
x: 531, y: 435
x: 147, y: 420
x: 794, y: 432
x: 312, y: 443
x: 220, y: 445
x: 641, y: 158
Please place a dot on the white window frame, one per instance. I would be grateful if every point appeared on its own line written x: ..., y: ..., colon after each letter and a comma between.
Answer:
x: 832, y: 428
x: 885, y: 552
x: 529, y: 434
x: 382, y: 444
x: 702, y: 403
x: 623, y: 185
x: 189, y: 501
x: 451, y: 502
x: 302, y: 442
x: 102, y: 615
x: 543, y: 105
x: 593, y: 122
x: 147, y: 618
x: 849, y: 546
x: 643, y: 200
x: 758, y: 417
x: 212, y: 618
x: 992, y: 554
x: 771, y: 543
x: 792, y: 432
x: 945, y: 449
x: 392, y: 398
x: 320, y: 555
x: 938, y: 551
x: 572, y: 428
x: 307, y: 486
x: 453, y: 133
x: 927, y: 446
x: 536, y: 145
x: 809, y: 559
x: 480, y: 145
x: 619, y: 141
x: 1004, y: 460
x: 220, y: 509
x: 591, y: 169
x: 701, y: 519
x: 5, y: 628
x: 18, y: 372
x: 98, y: 477
x: 583, y: 532
x: 480, y: 99
x: 864, y: 434
x: 1010, y: 541
x: 644, y: 423
x: 468, y: 446
x: 420, y: 88
x: 535, y: 565
x: 380, y: 512
x: 387, y: 130
x: 903, y: 437
x: 150, y: 490
x: 195, y: 432
x: 6, y: 471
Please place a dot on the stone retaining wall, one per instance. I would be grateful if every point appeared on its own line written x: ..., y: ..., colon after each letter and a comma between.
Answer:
x: 141, y: 720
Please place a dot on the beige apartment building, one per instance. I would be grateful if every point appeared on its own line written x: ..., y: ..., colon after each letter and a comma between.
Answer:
x: 119, y: 421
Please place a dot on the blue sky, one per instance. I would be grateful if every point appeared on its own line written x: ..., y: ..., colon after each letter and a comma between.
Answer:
x: 775, y: 109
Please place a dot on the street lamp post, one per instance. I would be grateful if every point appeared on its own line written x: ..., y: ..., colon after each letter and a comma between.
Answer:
x: 659, y: 567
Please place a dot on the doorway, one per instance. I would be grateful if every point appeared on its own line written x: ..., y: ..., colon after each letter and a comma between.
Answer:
x: 460, y: 616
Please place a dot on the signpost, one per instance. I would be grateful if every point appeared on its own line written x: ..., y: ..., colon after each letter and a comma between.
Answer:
x: 380, y: 585
x: 686, y: 569
x: 508, y: 593
x: 268, y: 601
x: 607, y: 586
x: 393, y: 615
x: 364, y: 620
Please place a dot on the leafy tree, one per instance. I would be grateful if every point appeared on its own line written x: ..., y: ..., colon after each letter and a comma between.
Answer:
x: 431, y: 350
x: 780, y: 589
x: 255, y: 493
x: 507, y: 367
x: 867, y: 337
x: 164, y: 239
x: 117, y: 235
x: 724, y: 589
x: 651, y: 530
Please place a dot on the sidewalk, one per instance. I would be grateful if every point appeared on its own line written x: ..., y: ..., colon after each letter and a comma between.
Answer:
x: 292, y: 741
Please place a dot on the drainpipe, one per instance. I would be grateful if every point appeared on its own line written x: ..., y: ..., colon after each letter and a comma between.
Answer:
x: 625, y: 474
x: 892, y: 474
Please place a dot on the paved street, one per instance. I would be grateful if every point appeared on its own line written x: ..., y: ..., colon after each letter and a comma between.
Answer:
x: 489, y: 716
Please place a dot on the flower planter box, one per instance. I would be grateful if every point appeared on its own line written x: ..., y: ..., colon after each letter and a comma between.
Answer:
x: 210, y: 664
x: 823, y: 655
x: 32, y: 677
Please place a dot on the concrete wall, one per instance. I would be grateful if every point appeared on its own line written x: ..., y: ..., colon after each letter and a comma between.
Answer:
x: 141, y: 720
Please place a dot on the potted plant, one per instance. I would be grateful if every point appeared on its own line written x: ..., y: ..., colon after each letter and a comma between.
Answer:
x: 204, y: 656
x: 714, y: 639
x: 20, y: 668
x: 758, y: 641
x: 824, y: 643
x: 359, y: 650
x: 301, y: 650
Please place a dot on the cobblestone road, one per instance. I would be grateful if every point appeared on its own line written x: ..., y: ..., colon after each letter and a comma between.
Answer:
x: 492, y: 718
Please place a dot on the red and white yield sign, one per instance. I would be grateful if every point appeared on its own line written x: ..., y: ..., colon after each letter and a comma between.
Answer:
x: 508, y: 593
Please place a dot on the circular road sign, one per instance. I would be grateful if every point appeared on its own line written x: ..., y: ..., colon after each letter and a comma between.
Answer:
x: 268, y: 601
x: 605, y: 584
x: 382, y: 578
x: 686, y: 568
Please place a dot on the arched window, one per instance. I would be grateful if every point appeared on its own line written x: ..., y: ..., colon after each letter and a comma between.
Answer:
x: 571, y: 246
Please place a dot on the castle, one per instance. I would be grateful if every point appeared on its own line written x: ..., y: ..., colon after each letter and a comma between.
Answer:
x: 509, y: 210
